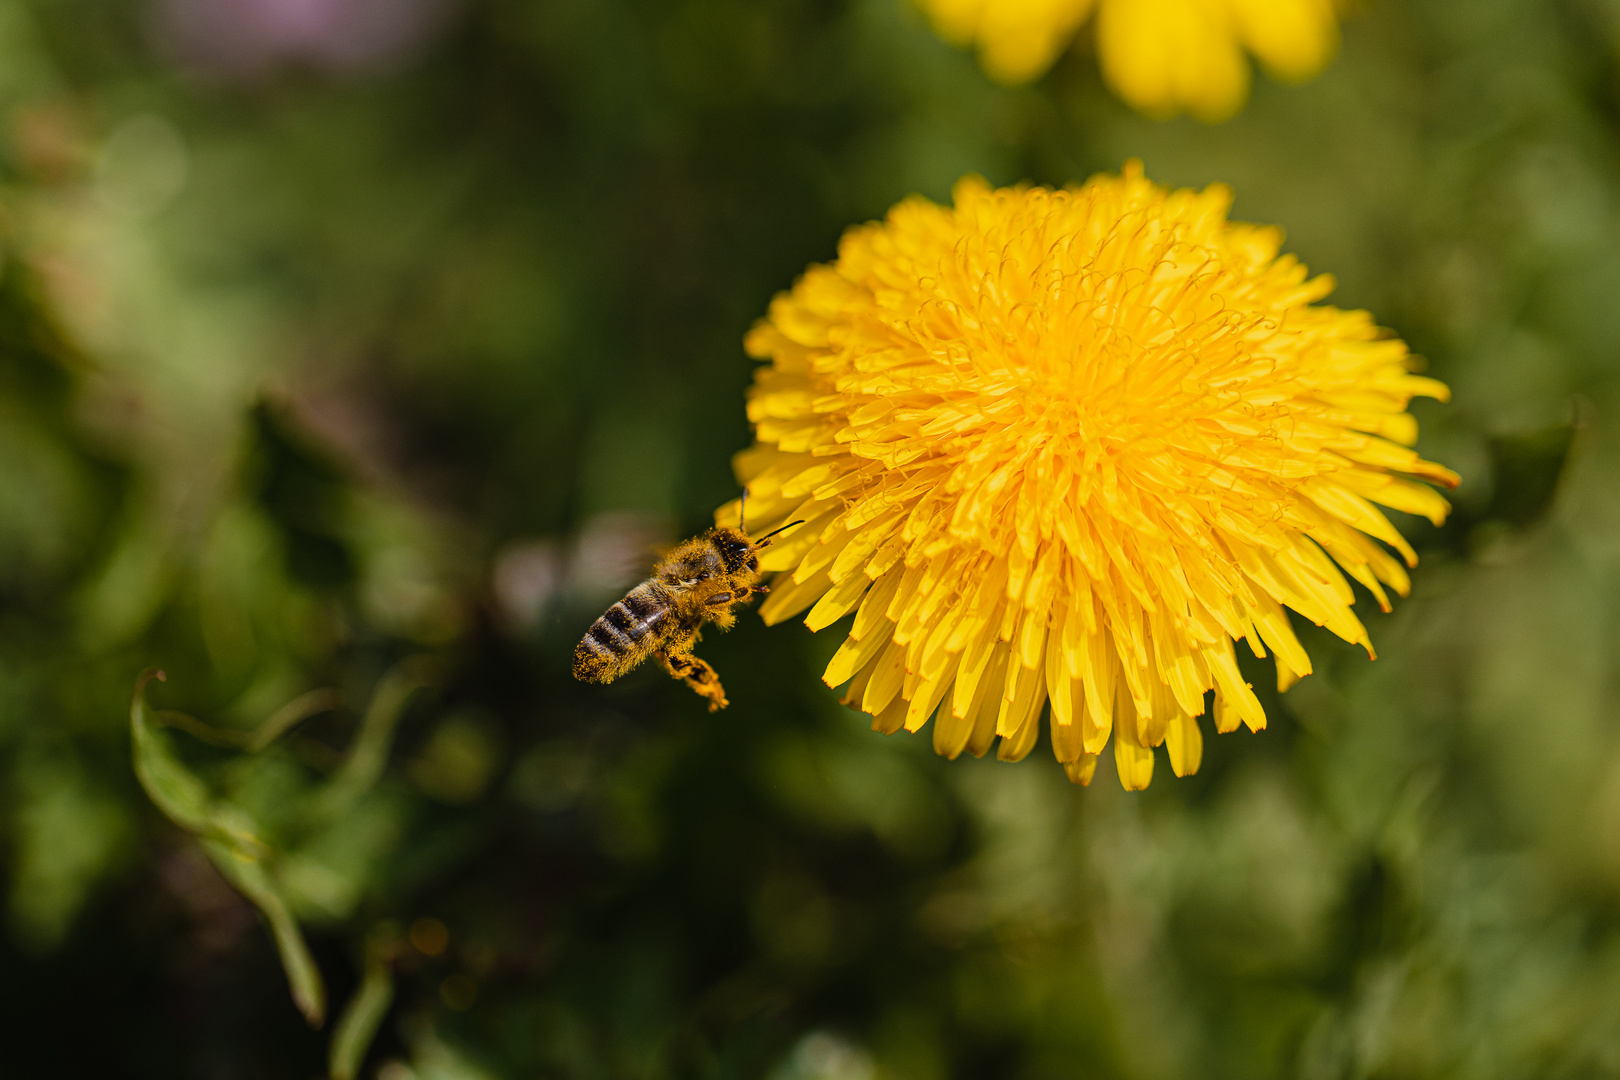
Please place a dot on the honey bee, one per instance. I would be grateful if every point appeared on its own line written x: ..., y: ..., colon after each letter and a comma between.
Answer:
x: 701, y: 580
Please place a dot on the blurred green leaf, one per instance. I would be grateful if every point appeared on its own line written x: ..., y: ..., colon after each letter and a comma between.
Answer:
x: 280, y: 722
x: 456, y: 764
x: 67, y: 833
x: 182, y: 797
x: 368, y: 754
x: 364, y: 1013
x: 292, y: 714
x: 229, y: 836
x: 252, y: 877
x: 1526, y: 469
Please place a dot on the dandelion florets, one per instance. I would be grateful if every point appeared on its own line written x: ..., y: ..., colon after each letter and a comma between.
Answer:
x: 1059, y: 450
x: 1162, y: 56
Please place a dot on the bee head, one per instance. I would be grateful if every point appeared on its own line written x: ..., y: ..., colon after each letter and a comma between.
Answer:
x: 735, y: 549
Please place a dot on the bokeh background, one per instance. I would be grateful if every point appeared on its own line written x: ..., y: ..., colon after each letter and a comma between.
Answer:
x: 376, y: 345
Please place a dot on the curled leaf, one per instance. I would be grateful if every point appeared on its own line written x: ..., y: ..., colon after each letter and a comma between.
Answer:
x: 229, y: 836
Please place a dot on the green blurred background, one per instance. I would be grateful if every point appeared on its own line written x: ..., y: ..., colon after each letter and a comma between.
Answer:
x: 377, y: 344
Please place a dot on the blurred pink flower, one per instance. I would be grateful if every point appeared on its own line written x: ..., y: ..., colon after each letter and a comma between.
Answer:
x: 243, y: 38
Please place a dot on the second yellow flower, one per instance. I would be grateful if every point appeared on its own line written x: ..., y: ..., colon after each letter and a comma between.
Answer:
x: 1162, y: 56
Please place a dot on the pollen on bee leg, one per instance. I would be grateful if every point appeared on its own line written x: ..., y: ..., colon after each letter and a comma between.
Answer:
x: 698, y: 675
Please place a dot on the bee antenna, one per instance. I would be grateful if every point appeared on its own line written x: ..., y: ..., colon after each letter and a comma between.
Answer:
x: 773, y: 532
x: 742, y: 513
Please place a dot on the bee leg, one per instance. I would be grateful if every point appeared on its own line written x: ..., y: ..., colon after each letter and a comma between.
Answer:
x: 697, y: 674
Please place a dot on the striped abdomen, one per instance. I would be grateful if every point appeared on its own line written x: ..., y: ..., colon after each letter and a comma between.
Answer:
x: 623, y: 637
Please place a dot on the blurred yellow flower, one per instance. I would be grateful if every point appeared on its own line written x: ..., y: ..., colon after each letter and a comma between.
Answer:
x: 1162, y: 56
x: 1066, y: 447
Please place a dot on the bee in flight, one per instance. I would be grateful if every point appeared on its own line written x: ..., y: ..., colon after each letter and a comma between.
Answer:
x: 699, y: 581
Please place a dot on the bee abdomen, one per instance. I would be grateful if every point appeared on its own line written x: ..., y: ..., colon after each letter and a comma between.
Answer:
x: 622, y: 637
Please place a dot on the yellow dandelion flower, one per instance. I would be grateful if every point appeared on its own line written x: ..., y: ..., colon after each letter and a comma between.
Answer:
x: 1162, y: 56
x: 1064, y: 448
